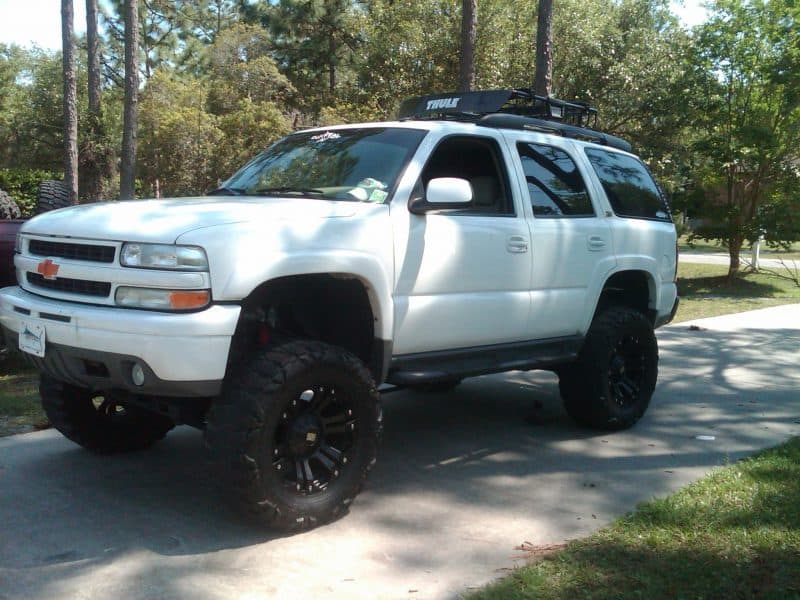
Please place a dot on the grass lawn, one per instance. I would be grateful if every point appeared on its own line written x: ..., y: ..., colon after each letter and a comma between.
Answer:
x: 734, y: 534
x: 20, y: 410
x: 705, y: 291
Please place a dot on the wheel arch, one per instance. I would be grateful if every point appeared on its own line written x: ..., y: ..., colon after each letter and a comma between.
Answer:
x: 632, y: 287
x: 340, y: 308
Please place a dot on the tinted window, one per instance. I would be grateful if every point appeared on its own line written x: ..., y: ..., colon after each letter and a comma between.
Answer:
x: 555, y: 186
x: 628, y: 185
x: 478, y: 161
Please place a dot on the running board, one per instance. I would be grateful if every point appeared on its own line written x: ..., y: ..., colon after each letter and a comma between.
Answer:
x: 430, y: 367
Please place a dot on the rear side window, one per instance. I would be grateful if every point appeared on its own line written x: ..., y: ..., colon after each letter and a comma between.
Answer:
x: 628, y: 185
x: 555, y: 186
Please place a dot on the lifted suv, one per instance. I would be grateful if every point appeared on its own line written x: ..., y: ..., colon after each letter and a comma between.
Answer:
x: 479, y: 233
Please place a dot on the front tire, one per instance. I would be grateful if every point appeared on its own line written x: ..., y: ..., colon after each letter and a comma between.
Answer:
x: 295, y: 434
x: 610, y: 385
x: 98, y: 421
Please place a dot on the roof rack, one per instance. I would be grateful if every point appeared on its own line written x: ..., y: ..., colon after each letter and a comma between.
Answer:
x: 517, y: 108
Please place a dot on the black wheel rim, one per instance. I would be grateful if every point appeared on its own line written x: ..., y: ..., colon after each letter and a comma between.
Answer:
x: 626, y: 370
x: 315, y: 432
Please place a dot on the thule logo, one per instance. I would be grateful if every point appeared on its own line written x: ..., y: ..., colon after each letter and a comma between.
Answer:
x: 442, y: 103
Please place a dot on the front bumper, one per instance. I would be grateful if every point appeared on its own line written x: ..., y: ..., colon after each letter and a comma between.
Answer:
x: 182, y: 354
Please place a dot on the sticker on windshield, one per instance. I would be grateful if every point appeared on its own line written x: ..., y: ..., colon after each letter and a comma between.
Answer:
x: 324, y: 137
x: 377, y: 196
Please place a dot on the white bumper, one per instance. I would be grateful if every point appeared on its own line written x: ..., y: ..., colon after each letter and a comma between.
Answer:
x: 183, y: 347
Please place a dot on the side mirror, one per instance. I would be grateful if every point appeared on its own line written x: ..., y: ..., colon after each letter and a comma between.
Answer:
x: 442, y: 193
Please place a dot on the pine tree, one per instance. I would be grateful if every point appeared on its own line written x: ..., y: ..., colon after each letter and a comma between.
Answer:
x: 70, y: 102
x: 128, y: 166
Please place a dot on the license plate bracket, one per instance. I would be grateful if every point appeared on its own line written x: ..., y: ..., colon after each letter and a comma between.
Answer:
x: 32, y: 338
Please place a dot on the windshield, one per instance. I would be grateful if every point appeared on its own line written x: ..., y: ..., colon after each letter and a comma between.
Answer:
x: 342, y: 164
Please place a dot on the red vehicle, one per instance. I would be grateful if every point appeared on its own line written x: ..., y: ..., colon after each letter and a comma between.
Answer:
x: 8, y: 233
x: 50, y: 194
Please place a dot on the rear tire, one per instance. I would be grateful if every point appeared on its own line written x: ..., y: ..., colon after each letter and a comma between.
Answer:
x: 98, y: 421
x: 610, y: 385
x: 51, y: 194
x: 294, y: 434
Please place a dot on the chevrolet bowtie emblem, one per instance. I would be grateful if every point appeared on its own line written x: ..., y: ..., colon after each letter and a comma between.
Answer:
x: 47, y: 269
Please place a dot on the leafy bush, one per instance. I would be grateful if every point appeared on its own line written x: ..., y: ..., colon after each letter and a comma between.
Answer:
x: 21, y: 186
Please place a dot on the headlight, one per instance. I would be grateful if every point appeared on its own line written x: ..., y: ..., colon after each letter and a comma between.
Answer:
x: 164, y: 256
x: 18, y: 244
x: 154, y: 299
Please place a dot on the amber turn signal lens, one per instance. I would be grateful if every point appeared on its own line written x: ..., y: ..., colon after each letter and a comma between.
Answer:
x: 182, y: 300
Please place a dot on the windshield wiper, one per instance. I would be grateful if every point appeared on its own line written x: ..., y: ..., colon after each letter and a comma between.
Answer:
x: 227, y: 191
x: 277, y: 191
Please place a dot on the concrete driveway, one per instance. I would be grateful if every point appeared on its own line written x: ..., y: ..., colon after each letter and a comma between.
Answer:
x: 780, y: 265
x: 463, y: 480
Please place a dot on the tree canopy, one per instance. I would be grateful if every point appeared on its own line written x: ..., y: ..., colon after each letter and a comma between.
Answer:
x: 714, y: 111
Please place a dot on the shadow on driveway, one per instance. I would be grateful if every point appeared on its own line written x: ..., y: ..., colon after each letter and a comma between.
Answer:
x: 462, y: 479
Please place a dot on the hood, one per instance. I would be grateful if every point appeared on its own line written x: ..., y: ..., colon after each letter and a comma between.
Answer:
x: 163, y: 221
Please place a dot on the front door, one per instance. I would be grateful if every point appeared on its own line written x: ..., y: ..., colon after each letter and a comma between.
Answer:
x: 462, y: 276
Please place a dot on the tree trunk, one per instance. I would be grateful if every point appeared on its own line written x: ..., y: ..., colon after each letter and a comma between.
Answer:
x: 469, y: 26
x: 93, y: 155
x: 544, y: 49
x: 70, y: 103
x: 331, y: 62
x: 128, y: 166
x: 734, y: 251
x: 93, y: 59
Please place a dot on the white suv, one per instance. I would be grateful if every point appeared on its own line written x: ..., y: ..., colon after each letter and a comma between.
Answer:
x: 477, y: 234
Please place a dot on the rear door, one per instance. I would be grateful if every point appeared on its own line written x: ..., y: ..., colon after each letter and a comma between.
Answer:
x: 571, y: 241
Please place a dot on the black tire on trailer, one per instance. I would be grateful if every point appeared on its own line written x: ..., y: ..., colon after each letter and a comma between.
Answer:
x: 50, y: 195
x: 295, y: 433
x: 97, y: 420
x: 610, y: 385
x: 9, y: 209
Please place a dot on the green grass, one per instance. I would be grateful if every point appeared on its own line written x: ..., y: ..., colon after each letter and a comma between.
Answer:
x: 20, y: 409
x: 734, y: 534
x: 705, y: 291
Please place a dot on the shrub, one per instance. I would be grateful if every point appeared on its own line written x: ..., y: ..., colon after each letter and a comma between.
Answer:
x: 21, y: 186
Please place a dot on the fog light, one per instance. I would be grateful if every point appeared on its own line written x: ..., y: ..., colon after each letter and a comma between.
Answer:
x: 137, y: 374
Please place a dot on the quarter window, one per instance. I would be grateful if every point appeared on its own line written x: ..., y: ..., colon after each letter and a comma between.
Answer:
x: 628, y: 185
x: 555, y: 185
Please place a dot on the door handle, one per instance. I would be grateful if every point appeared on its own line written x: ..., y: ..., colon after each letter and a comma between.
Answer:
x: 517, y: 244
x: 595, y: 243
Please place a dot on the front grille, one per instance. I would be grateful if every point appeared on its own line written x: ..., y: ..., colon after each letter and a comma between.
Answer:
x: 99, y: 289
x: 87, y: 252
